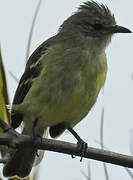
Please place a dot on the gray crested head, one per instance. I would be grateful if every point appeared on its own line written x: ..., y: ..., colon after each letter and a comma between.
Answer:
x: 93, y: 20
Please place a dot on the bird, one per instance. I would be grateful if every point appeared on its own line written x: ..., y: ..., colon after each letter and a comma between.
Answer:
x: 62, y: 79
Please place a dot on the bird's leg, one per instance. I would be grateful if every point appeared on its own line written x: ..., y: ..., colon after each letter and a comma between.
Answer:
x: 34, y: 128
x: 81, y: 144
x: 34, y: 135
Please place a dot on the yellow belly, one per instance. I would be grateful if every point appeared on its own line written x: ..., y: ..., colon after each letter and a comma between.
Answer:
x: 65, y: 96
x: 68, y: 106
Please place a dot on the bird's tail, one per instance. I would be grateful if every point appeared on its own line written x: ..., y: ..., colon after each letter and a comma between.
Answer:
x: 21, y: 163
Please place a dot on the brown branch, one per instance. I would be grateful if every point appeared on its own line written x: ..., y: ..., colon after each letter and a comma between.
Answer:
x: 15, y: 140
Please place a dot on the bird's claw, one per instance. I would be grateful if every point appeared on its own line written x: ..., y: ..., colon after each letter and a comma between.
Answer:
x: 82, y: 145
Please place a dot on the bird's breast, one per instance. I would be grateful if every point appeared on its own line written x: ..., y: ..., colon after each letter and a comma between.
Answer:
x: 67, y: 93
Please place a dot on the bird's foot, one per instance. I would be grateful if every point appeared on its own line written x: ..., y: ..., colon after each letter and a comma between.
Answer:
x: 82, y: 145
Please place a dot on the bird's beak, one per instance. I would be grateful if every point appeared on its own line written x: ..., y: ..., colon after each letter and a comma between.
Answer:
x: 119, y: 29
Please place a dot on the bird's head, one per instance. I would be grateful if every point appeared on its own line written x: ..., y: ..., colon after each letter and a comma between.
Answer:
x: 93, y: 20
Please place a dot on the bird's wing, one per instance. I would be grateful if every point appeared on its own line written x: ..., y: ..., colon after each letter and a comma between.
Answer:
x: 32, y: 70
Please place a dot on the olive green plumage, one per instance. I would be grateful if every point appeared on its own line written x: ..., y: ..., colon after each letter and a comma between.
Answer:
x: 62, y: 79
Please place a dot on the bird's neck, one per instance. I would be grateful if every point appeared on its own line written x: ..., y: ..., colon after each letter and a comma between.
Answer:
x: 76, y: 39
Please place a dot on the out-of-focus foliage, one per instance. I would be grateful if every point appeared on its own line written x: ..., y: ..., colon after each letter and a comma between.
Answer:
x: 4, y: 100
x: 3, y: 93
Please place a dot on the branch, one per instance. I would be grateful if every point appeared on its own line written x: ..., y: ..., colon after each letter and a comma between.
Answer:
x: 15, y: 140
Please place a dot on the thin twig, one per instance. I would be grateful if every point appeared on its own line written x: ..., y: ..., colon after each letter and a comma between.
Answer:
x: 129, y: 172
x: 85, y: 175
x: 32, y: 29
x: 102, y: 144
x: 89, y: 170
x: 131, y: 141
x: 88, y: 177
x: 132, y: 76
x: 14, y: 77
x: 131, y: 150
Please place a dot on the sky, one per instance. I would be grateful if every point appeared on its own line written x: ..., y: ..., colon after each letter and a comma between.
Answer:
x: 16, y: 18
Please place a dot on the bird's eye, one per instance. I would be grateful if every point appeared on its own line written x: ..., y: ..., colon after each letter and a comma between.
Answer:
x: 97, y: 26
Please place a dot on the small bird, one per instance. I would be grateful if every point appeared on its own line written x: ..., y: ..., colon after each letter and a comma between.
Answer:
x: 62, y: 79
